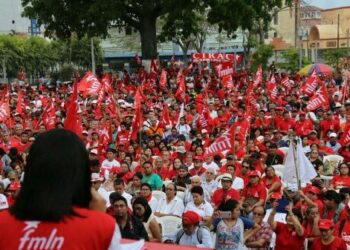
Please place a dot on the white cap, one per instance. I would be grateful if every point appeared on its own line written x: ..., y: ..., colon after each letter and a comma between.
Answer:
x: 332, y: 135
x: 96, y: 177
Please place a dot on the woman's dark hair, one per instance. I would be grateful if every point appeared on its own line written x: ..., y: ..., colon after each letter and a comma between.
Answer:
x: 143, y: 202
x: 229, y: 205
x: 343, y: 192
x: 57, y: 178
x: 297, y: 213
x: 146, y: 185
x: 344, y: 163
x: 309, y: 208
x: 138, y: 174
x: 197, y: 190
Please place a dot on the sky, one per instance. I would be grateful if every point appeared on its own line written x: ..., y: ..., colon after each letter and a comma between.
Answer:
x: 326, y: 4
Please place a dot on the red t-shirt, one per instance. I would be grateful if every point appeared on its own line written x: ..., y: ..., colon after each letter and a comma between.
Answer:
x: 286, y: 239
x: 90, y: 230
x: 257, y: 191
x: 338, y: 181
x: 274, y: 180
x: 337, y: 244
x: 345, y: 233
x: 218, y: 196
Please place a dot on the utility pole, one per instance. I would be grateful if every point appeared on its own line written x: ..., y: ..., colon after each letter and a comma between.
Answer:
x: 4, y: 74
x: 93, y: 57
x: 296, y: 12
x: 338, y: 43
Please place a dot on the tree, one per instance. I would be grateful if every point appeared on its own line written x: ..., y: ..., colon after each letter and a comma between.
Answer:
x: 291, y: 59
x: 94, y: 17
x: 332, y: 56
x: 261, y: 56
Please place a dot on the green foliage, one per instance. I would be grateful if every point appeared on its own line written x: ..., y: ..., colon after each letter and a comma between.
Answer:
x: 261, y: 56
x: 291, y: 60
x: 39, y: 56
x: 331, y: 56
x: 94, y: 17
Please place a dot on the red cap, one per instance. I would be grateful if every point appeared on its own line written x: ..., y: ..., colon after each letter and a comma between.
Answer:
x: 191, y: 217
x: 240, y: 113
x: 198, y: 157
x: 254, y: 173
x: 312, y: 189
x: 15, y: 185
x: 276, y: 196
x: 325, y: 224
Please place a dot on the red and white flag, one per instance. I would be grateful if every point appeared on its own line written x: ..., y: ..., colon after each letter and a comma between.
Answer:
x: 345, y: 138
x: 319, y: 99
x: 223, y: 69
x: 20, y: 101
x: 181, y: 90
x: 227, y: 82
x: 272, y: 88
x: 153, y: 71
x: 49, y: 116
x: 136, y: 125
x: 258, y: 77
x: 72, y: 121
x: 310, y: 84
x: 286, y: 83
x: 89, y: 85
x: 163, y: 79
x: 4, y: 110
x: 222, y: 143
x: 188, y: 68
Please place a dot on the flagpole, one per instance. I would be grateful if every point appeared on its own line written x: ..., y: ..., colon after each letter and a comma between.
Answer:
x: 296, y: 164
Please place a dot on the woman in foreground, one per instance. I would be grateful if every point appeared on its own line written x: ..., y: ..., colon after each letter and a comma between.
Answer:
x: 56, y: 207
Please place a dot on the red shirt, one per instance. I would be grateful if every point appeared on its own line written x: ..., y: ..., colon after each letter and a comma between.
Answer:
x: 327, y: 125
x: 193, y: 171
x: 218, y: 196
x: 339, y: 181
x: 345, y: 233
x: 303, y: 127
x: 274, y: 180
x: 257, y: 191
x: 286, y: 239
x: 285, y: 124
x: 90, y: 230
x: 337, y: 244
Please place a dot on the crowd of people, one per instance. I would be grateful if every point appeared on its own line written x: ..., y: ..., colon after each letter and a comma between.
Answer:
x: 153, y: 157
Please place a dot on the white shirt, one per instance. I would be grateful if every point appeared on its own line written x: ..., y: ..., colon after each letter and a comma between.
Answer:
x: 108, y: 165
x: 210, y: 187
x: 192, y: 240
x: 3, y: 202
x: 211, y: 165
x: 174, y: 207
x: 128, y: 198
x: 153, y: 203
x: 203, y: 210
x: 105, y: 195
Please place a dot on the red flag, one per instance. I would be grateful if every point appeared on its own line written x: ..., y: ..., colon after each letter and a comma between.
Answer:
x: 136, y: 125
x: 138, y: 98
x: 345, y: 138
x: 344, y: 91
x: 319, y: 99
x: 101, y: 94
x: 222, y: 143
x: 188, y: 69
x: 20, y: 101
x: 49, y: 116
x: 310, y: 84
x: 153, y: 71
x: 72, y: 121
x: 258, y: 77
x: 286, y: 83
x: 106, y: 84
x: 163, y: 79
x: 181, y: 91
x: 137, y: 59
x: 89, y: 85
x: 4, y: 110
x: 272, y: 88
x: 223, y: 68
x: 227, y: 82
x: 112, y: 108
x: 165, y: 118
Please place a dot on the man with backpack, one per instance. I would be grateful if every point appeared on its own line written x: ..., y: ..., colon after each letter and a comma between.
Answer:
x: 191, y: 234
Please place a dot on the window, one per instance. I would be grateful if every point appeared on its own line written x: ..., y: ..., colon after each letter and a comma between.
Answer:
x: 128, y: 31
x: 266, y: 35
x: 275, y: 34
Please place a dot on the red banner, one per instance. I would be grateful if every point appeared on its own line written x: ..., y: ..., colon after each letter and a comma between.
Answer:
x: 212, y: 57
x: 223, y: 69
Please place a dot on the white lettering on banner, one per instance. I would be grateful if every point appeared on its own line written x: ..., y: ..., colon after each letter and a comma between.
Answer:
x: 213, y: 57
x: 315, y: 103
x: 39, y: 242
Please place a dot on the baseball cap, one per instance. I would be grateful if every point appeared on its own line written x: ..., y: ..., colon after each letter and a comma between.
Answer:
x: 198, y: 158
x: 226, y: 177
x: 254, y: 173
x: 191, y: 217
x: 312, y: 189
x: 332, y: 135
x: 94, y: 151
x: 204, y: 131
x: 325, y: 224
x: 276, y: 196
